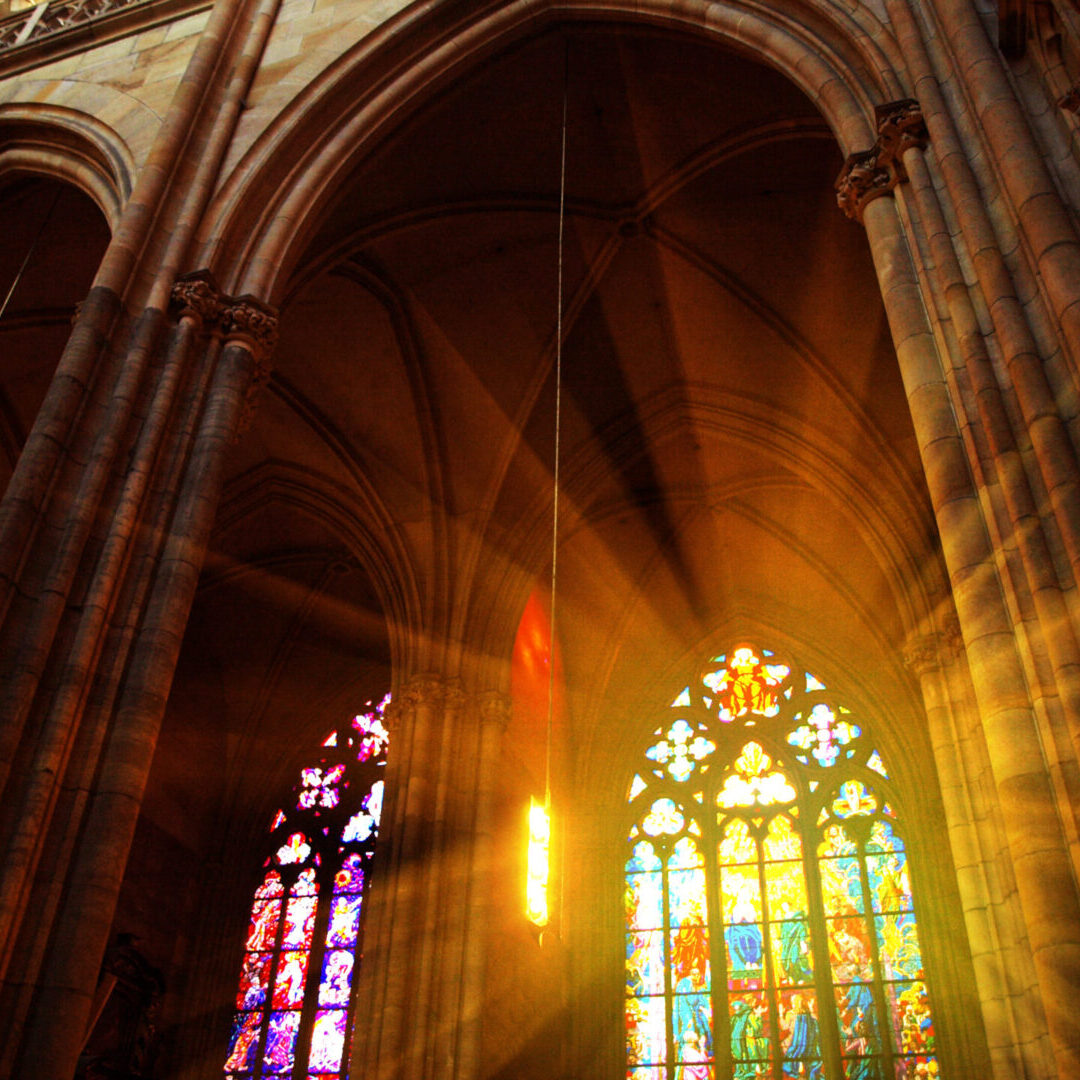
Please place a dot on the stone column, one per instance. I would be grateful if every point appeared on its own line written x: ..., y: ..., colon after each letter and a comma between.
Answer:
x: 1004, y: 973
x: 494, y: 710
x: 108, y: 659
x: 1029, y: 809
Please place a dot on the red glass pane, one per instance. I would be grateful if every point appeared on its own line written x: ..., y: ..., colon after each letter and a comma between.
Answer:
x: 289, y: 984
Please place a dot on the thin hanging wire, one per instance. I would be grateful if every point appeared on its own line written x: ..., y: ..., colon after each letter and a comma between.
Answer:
x: 30, y: 251
x: 558, y: 433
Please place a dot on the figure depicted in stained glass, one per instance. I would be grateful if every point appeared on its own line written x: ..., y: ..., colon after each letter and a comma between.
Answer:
x: 795, y: 949
x: 802, y: 1054
x: 749, y: 1044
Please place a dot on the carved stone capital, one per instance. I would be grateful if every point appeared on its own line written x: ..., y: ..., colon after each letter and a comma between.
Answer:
x: 494, y: 708
x: 427, y: 689
x: 925, y: 653
x: 862, y: 179
x: 869, y: 174
x: 253, y: 323
x: 197, y: 296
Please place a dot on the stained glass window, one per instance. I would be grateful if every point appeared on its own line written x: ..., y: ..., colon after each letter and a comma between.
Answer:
x: 770, y: 925
x: 297, y: 978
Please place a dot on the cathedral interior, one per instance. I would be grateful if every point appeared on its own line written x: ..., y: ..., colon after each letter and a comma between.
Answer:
x: 524, y: 362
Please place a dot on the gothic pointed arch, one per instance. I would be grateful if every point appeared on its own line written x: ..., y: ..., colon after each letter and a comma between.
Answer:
x: 296, y: 996
x: 770, y: 922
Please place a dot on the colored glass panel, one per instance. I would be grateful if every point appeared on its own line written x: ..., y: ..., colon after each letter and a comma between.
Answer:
x: 254, y: 979
x: 644, y: 900
x: 793, y: 959
x: 244, y: 1042
x: 295, y: 850
x: 857, y: 1020
x: 698, y: 1070
x: 327, y: 1040
x: 664, y: 818
x: 754, y: 782
x: 898, y: 946
x: 889, y: 887
x: 344, y: 921
x: 884, y: 838
x: 643, y: 858
x: 740, y: 893
x: 646, y: 1030
x: 917, y: 1068
x: 853, y: 800
x: 691, y: 1026
x: 645, y: 965
x: 350, y: 878
x: 289, y: 984
x: 785, y: 890
x: 264, y: 922
x: 737, y: 845
x: 909, y: 1011
x: 778, y: 952
x: 751, y: 1034
x: 690, y: 958
x: 800, y: 1036
x: 836, y: 841
x: 336, y: 980
x: 841, y: 886
x: 782, y: 840
x: 281, y: 1041
x: 849, y: 950
x: 686, y: 896
x: 747, y: 684
x: 299, y: 922
x: 862, y: 1068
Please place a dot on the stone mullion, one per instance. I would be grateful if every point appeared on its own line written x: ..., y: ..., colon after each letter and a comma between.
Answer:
x: 494, y: 710
x: 71, y: 684
x: 1012, y: 1053
x: 1044, y: 870
x: 94, y: 880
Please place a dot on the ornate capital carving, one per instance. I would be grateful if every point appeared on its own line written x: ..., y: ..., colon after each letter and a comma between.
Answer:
x: 869, y: 174
x: 494, y: 708
x: 253, y: 323
x: 900, y: 127
x: 862, y: 179
x: 924, y: 653
x: 427, y: 689
x: 197, y: 296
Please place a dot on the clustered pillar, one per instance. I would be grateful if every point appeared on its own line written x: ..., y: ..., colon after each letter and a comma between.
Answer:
x: 423, y: 970
x: 96, y: 613
x: 1023, y: 667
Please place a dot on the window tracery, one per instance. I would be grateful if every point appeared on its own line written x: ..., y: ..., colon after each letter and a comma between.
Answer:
x: 297, y: 988
x: 770, y: 926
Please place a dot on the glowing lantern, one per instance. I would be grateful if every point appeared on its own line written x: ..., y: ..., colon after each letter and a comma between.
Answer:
x: 537, y: 868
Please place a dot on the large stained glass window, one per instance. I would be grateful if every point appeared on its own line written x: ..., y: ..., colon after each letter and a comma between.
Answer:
x: 770, y: 927
x: 297, y: 980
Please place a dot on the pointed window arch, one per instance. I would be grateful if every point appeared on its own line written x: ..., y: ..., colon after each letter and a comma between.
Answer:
x: 770, y: 925
x: 297, y: 989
